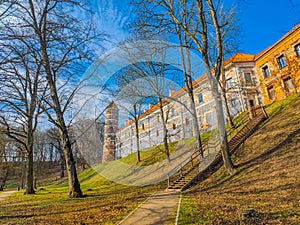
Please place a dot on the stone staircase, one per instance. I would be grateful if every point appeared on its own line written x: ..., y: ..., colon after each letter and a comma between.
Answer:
x: 197, y: 168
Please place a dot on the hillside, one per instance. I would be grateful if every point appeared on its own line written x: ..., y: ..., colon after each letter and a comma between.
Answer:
x: 266, y: 177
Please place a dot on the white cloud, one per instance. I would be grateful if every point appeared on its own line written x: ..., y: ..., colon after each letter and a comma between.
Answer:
x: 111, y: 19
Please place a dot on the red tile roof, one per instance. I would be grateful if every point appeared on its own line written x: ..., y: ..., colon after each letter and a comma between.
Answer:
x: 112, y: 104
x: 239, y: 57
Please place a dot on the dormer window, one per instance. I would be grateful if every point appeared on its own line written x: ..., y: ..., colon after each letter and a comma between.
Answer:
x: 281, y: 61
x: 266, y: 72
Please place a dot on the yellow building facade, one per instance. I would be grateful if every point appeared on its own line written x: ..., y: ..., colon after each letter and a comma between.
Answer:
x: 278, y: 67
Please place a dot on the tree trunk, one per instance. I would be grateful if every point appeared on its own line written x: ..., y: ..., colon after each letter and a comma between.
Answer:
x: 62, y: 168
x: 23, y: 171
x: 4, y: 180
x: 189, y: 86
x: 221, y: 123
x: 29, y: 175
x: 196, y: 127
x: 227, y: 111
x: 165, y: 130
x: 137, y: 136
x: 35, y: 182
x: 74, y: 185
x: 213, y: 80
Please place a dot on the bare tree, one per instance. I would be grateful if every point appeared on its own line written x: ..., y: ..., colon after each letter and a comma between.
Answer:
x: 204, y: 49
x: 198, y: 26
x: 21, y: 87
x: 151, y: 82
x: 131, y: 94
x: 55, y: 145
x: 61, y: 41
x: 151, y: 22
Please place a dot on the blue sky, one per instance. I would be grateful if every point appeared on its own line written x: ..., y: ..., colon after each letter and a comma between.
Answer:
x: 262, y: 22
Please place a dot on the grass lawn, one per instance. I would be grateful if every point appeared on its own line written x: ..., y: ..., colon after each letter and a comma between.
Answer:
x: 266, y: 178
x: 105, y: 203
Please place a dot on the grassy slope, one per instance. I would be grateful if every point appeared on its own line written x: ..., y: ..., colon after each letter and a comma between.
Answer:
x: 156, y: 154
x: 105, y: 203
x: 267, y: 176
x: 259, y: 182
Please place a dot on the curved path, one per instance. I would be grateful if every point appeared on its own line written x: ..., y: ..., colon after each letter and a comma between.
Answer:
x: 5, y: 194
x: 157, y: 209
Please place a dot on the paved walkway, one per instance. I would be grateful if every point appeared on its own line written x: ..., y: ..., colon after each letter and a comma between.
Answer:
x: 5, y: 194
x: 161, y: 208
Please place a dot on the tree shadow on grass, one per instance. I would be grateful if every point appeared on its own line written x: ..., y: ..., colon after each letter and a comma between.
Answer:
x: 264, y: 156
x: 259, y: 159
x: 15, y: 217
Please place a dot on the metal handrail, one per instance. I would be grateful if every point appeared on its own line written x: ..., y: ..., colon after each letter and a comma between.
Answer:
x: 178, y: 171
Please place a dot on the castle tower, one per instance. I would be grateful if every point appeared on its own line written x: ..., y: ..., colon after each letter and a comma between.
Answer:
x: 110, y: 129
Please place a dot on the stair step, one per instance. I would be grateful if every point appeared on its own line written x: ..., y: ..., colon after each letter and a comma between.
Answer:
x: 238, y: 139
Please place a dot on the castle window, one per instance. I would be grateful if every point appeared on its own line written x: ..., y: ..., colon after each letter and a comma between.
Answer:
x: 297, y: 49
x: 157, y: 133
x: 281, y: 61
x: 248, y: 78
x: 143, y: 126
x: 271, y: 93
x: 229, y: 83
x: 266, y: 72
x: 233, y: 103
x: 200, y: 97
x: 158, y: 118
x: 289, y: 84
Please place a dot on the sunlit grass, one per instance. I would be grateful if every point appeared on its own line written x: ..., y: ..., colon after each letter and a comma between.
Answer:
x: 105, y: 202
x: 276, y: 107
x: 266, y: 176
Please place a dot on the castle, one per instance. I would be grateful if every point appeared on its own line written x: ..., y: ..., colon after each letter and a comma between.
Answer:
x: 251, y: 80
